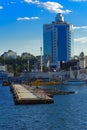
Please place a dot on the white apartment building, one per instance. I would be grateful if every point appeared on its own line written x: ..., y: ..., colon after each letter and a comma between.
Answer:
x: 82, y: 60
x: 10, y: 54
x: 3, y: 68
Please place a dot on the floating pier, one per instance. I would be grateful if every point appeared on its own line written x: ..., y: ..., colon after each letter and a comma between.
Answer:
x: 58, y: 92
x: 22, y: 95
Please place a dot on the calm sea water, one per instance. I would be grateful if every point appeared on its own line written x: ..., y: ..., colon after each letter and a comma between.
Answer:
x: 69, y: 112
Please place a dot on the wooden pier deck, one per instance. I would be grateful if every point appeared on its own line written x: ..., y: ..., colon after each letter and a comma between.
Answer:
x: 22, y: 95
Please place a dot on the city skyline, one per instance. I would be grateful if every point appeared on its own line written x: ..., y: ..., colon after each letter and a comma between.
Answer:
x: 21, y: 23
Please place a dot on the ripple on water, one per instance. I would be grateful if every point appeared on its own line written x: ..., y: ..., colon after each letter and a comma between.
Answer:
x: 67, y: 113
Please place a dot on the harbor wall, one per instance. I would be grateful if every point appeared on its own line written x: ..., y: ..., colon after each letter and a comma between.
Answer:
x: 61, y: 75
x: 49, y: 75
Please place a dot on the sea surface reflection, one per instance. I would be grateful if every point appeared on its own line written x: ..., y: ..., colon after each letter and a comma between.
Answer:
x: 68, y: 112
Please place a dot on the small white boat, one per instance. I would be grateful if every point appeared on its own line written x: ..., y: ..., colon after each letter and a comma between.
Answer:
x: 75, y: 81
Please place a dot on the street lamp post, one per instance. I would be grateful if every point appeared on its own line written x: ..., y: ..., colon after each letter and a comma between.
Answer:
x: 41, y: 58
x: 28, y: 65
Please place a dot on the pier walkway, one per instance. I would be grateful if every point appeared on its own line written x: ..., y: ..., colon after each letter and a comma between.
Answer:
x: 22, y: 95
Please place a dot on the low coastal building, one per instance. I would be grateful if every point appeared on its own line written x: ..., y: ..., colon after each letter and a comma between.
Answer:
x: 25, y: 55
x: 10, y: 54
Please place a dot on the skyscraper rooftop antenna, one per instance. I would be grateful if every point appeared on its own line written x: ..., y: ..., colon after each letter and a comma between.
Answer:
x: 59, y: 17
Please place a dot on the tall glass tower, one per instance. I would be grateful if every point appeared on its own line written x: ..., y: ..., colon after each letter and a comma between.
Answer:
x: 57, y: 40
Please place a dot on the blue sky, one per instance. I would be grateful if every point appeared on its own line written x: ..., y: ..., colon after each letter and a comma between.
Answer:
x: 21, y: 23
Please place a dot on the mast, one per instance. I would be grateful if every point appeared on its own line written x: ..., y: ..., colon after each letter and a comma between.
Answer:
x: 41, y: 58
x: 28, y: 65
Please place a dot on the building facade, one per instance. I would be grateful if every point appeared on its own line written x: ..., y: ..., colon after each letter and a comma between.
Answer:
x: 25, y: 55
x: 57, y: 40
x: 82, y: 60
x: 3, y: 68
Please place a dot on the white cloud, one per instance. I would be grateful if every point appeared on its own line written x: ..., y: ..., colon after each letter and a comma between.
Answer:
x: 31, y: 1
x: 79, y: 27
x: 81, y: 40
x: 1, y: 7
x: 50, y: 6
x: 26, y: 18
x: 53, y: 7
x: 28, y: 1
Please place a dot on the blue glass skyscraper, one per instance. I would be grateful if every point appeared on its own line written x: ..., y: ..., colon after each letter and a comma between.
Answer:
x: 57, y: 40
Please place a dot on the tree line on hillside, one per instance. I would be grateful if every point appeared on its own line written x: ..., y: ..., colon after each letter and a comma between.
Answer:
x: 19, y: 64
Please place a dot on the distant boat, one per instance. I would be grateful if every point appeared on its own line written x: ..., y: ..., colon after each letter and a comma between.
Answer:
x: 3, y: 76
x: 5, y: 83
x: 75, y: 81
x: 41, y: 83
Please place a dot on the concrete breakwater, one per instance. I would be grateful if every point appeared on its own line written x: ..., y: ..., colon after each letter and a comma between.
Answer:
x: 49, y: 92
x: 25, y: 94
x: 57, y: 92
x: 22, y: 95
